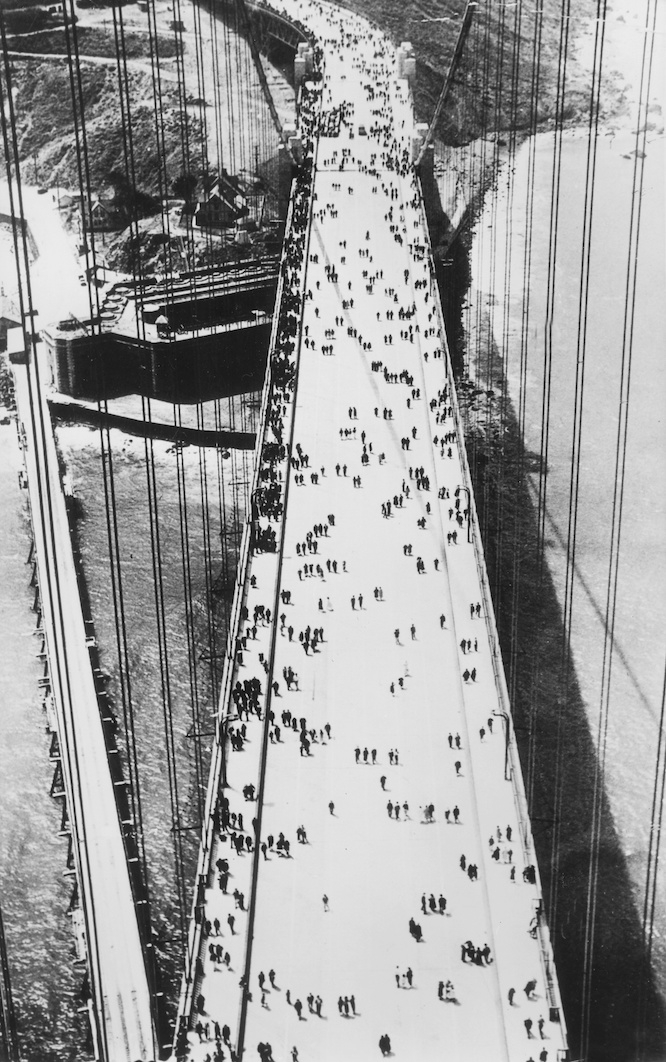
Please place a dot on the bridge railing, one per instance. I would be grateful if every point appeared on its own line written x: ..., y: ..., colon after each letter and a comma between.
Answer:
x: 299, y: 275
x: 512, y: 767
x: 219, y: 744
x: 295, y: 26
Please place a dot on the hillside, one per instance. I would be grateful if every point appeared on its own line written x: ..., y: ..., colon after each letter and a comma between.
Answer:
x: 47, y: 132
x: 493, y: 87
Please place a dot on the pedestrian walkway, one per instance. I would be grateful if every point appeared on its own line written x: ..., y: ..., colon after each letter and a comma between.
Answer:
x: 370, y: 849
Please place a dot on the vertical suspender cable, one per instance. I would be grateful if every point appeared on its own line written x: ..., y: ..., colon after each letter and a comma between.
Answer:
x: 651, y: 881
x: 524, y: 354
x: 10, y: 1047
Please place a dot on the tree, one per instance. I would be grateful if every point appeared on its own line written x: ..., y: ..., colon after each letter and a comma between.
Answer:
x: 184, y: 186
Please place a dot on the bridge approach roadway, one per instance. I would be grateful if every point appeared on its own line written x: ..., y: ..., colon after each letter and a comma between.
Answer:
x: 120, y: 1005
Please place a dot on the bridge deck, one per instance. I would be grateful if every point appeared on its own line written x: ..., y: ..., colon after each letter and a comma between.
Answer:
x: 378, y: 684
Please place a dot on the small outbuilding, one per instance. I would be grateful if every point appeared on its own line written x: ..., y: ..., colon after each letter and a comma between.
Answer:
x: 163, y: 326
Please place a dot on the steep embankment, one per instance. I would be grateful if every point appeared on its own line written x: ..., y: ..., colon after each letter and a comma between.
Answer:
x: 49, y: 136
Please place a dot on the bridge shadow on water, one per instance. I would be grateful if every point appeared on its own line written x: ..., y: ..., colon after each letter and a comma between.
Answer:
x: 625, y: 1014
x: 627, y: 1020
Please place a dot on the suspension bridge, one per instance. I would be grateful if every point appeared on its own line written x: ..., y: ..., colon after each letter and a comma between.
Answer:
x: 367, y: 877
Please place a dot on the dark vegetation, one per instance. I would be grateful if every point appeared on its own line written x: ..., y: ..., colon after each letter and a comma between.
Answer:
x: 91, y: 41
x: 34, y: 6
x: 25, y: 19
x: 7, y: 401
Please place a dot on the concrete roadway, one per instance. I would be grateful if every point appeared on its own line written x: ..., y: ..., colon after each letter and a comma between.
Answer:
x: 375, y: 689
x: 110, y: 919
